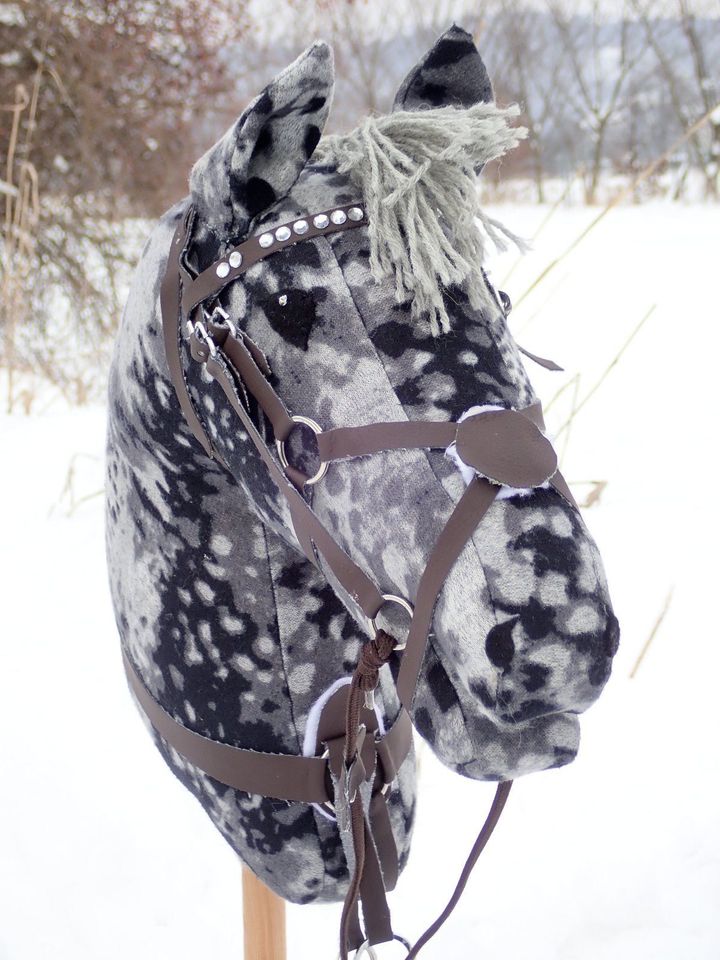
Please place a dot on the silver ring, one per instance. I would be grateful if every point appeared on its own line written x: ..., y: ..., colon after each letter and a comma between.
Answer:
x: 366, y: 948
x: 280, y: 444
x: 392, y: 598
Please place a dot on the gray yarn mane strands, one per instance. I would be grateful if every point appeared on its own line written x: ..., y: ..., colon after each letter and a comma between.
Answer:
x: 416, y: 171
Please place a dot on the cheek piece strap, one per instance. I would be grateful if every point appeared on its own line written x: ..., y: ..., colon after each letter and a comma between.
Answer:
x: 355, y: 766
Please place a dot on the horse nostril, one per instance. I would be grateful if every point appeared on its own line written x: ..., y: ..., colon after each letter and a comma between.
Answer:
x: 499, y: 644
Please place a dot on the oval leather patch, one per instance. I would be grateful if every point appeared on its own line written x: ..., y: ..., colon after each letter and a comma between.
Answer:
x: 505, y: 446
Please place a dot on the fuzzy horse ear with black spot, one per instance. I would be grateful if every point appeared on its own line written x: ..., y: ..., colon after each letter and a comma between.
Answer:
x: 451, y: 74
x: 261, y: 156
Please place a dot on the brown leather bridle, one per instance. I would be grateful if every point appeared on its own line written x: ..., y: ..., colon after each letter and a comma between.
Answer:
x: 504, y: 447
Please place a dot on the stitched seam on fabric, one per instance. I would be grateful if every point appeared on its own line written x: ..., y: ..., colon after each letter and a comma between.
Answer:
x: 178, y: 340
x: 290, y: 700
x: 279, y: 636
x: 595, y: 554
x: 432, y: 469
x: 265, y: 518
x: 202, y: 779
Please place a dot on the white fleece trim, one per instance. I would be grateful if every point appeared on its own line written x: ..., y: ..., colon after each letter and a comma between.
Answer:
x: 313, y: 720
x: 469, y: 472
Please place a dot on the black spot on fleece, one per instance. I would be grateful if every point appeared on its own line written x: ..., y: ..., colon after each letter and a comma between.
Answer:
x: 291, y: 314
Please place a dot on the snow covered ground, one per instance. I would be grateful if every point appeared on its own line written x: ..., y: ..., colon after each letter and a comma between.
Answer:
x: 103, y: 856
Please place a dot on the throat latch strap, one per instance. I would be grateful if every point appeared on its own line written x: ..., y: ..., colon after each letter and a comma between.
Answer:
x: 501, y: 794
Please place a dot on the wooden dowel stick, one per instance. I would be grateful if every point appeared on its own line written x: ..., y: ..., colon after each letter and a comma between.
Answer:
x: 263, y: 920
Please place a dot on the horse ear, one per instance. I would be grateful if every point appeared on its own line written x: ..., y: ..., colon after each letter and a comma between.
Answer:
x: 452, y: 73
x: 261, y: 156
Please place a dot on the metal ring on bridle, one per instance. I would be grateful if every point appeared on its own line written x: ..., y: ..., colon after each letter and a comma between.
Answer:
x: 365, y: 947
x: 393, y: 598
x: 316, y: 429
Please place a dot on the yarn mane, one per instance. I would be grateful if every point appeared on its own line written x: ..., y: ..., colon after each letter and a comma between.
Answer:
x: 416, y: 171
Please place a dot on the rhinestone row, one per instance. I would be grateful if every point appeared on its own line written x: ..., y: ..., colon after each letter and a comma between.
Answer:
x: 300, y: 227
x: 234, y: 261
x: 320, y: 221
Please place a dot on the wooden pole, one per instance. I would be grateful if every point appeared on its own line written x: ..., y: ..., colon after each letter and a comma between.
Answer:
x: 263, y: 920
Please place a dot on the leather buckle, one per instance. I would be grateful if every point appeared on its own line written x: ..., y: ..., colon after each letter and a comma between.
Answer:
x: 220, y: 326
x: 354, y: 772
x: 202, y: 345
x: 328, y: 804
x: 385, y: 763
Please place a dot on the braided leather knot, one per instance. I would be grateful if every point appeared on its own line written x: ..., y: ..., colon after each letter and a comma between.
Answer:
x: 375, y: 653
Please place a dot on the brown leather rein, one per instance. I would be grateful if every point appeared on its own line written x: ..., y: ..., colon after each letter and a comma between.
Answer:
x: 504, y: 447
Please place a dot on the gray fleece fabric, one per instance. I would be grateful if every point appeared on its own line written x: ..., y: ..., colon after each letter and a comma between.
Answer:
x: 228, y: 625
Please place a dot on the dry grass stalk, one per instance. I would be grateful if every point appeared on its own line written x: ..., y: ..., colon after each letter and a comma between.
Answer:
x: 13, y: 199
x: 570, y: 182
x: 573, y: 411
x: 540, y: 311
x: 22, y: 212
x: 613, y: 363
x: 596, y: 491
x: 560, y: 392
x: 68, y: 492
x: 625, y: 192
x: 653, y: 633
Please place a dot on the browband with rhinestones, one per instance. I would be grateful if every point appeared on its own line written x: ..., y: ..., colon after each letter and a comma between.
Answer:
x: 210, y: 282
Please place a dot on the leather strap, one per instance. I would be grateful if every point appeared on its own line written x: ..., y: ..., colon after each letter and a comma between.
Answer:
x: 496, y: 443
x: 501, y: 794
x: 254, y: 379
x: 503, y: 445
x: 282, y: 776
x: 467, y: 514
x: 381, y: 869
x: 309, y: 528
x: 170, y: 308
x: 210, y: 282
x: 304, y: 779
x: 367, y: 880
x: 541, y: 361
x: 381, y: 830
x: 339, y: 443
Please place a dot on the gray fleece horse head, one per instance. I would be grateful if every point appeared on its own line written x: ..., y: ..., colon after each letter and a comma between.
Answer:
x: 229, y: 626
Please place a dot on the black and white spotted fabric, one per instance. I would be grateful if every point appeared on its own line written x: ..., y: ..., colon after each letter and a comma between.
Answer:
x: 228, y: 625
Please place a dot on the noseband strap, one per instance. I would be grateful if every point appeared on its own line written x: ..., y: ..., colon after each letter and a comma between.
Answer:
x: 504, y: 447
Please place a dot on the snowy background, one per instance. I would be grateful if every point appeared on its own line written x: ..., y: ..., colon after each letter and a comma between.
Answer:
x: 103, y: 856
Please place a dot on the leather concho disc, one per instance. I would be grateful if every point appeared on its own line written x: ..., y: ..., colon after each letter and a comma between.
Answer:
x: 507, y: 447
